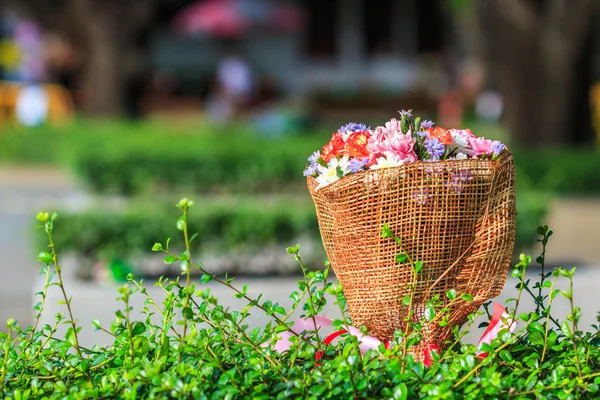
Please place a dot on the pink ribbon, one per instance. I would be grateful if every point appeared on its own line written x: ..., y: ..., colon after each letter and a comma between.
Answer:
x: 367, y: 342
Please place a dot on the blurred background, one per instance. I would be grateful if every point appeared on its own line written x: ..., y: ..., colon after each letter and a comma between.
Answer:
x: 111, y: 110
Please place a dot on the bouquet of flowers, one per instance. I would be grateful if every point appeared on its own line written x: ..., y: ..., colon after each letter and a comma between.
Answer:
x: 447, y: 197
x: 355, y: 147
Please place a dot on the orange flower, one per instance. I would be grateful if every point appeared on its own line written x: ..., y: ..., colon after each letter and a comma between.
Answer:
x: 441, y: 134
x: 356, y: 144
x: 335, y: 147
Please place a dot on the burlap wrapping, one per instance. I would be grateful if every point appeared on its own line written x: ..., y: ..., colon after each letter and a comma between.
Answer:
x: 458, y: 217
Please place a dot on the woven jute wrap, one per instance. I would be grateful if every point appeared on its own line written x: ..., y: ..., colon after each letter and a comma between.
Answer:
x: 457, y: 217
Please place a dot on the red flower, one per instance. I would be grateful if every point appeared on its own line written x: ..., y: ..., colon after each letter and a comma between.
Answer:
x: 334, y: 148
x: 356, y: 144
x: 441, y: 134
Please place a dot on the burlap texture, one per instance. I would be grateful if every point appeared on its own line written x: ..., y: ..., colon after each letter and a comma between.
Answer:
x: 457, y: 217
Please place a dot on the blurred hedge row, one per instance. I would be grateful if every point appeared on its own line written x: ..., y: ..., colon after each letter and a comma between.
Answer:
x: 222, y: 226
x: 155, y: 156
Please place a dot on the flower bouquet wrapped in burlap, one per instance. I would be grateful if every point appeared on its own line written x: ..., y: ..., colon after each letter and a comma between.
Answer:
x: 446, y: 196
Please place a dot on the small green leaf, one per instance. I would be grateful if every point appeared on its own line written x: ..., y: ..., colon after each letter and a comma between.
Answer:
x: 181, y: 223
x: 429, y: 312
x: 44, y: 256
x: 170, y: 259
x: 451, y: 294
x: 566, y: 329
x: 138, y: 329
x: 157, y: 247
x: 400, y: 258
x: 418, y: 266
x: 206, y: 278
x: 386, y: 232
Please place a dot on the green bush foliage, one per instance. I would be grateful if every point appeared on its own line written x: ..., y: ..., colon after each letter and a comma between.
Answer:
x: 152, y: 156
x: 569, y: 172
x: 221, y: 223
x: 202, y: 350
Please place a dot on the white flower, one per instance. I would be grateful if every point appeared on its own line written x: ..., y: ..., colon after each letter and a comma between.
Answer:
x: 390, y: 160
x: 329, y: 174
x: 461, y: 156
x: 460, y: 138
x: 346, y: 134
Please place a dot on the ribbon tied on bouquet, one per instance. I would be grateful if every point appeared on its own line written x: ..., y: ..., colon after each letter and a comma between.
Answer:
x: 500, y: 320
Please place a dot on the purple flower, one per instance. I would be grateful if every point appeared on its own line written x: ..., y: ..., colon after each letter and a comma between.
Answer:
x: 421, y: 134
x: 457, y: 180
x: 497, y: 147
x: 435, y: 148
x: 426, y: 124
x: 421, y: 195
x: 353, y: 127
x: 357, y: 164
x: 310, y: 170
x: 314, y: 157
x: 407, y: 113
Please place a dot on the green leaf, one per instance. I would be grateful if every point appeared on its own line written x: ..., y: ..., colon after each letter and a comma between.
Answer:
x: 98, y: 359
x: 181, y: 223
x: 466, y: 297
x: 96, y: 323
x: 400, y: 258
x: 386, y: 232
x: 535, y: 326
x: 429, y: 312
x: 157, y: 247
x: 205, y: 278
x: 45, y: 257
x: 138, y: 329
x: 170, y: 259
x: 400, y: 392
x: 418, y: 266
x: 566, y: 329
x: 451, y: 294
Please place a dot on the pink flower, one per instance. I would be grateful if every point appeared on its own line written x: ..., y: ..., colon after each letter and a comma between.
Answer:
x: 393, y: 125
x: 384, y: 141
x: 461, y: 137
x: 479, y: 146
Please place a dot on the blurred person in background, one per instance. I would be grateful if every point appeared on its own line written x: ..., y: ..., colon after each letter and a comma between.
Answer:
x: 234, y: 87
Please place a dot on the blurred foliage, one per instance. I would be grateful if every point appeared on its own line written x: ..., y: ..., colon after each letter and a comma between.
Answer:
x: 573, y: 171
x: 170, y: 158
x: 221, y: 224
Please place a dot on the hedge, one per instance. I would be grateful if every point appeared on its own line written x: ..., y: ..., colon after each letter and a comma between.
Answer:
x: 155, y: 156
x: 192, y: 346
x: 223, y: 224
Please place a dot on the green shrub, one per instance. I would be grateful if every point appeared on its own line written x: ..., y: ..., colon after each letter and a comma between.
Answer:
x: 564, y: 171
x: 213, y: 354
x: 222, y: 224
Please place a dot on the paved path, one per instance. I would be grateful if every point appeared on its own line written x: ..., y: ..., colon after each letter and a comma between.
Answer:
x: 23, y: 193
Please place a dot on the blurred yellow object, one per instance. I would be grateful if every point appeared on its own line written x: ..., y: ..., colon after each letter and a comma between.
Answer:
x: 595, y: 106
x: 56, y: 108
x: 10, y: 55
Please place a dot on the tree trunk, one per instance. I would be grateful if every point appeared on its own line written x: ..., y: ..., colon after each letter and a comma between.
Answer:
x: 536, y: 59
x: 113, y: 59
x: 102, y: 77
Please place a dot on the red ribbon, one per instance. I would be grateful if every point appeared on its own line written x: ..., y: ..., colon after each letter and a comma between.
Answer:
x: 367, y: 342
